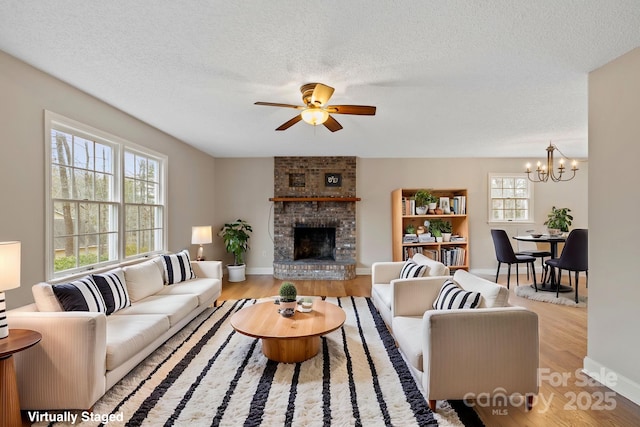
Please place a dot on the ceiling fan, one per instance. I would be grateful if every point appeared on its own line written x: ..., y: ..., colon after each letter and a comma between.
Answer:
x: 316, y: 112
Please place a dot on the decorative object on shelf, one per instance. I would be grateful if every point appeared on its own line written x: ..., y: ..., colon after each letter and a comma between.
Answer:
x: 9, y: 278
x: 558, y: 220
x: 424, y: 200
x: 288, y: 302
x: 411, y: 229
x: 333, y: 180
x: 544, y: 172
x: 439, y: 228
x: 306, y: 305
x: 201, y: 235
x: 236, y: 241
x: 444, y: 205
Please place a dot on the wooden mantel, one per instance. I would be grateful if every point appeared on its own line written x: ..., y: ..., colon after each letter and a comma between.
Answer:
x: 314, y: 199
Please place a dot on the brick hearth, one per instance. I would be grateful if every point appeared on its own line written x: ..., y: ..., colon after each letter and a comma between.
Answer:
x: 305, y: 177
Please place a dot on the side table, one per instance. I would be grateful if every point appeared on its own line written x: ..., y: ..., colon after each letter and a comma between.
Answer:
x: 18, y: 340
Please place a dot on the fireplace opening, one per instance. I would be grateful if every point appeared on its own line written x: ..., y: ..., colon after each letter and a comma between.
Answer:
x: 314, y: 243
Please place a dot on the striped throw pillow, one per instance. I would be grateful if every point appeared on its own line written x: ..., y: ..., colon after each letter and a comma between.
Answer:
x: 412, y: 269
x: 177, y: 267
x: 113, y: 289
x: 452, y: 296
x: 80, y: 295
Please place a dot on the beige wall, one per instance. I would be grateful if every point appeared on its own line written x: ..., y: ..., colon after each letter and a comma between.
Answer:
x: 614, y: 147
x: 24, y: 95
x: 243, y: 187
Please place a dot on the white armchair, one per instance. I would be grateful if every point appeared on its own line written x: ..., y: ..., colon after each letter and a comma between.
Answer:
x: 460, y: 353
x: 384, y: 273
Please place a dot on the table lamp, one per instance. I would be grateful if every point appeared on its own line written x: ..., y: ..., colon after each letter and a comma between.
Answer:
x: 201, y: 235
x: 9, y: 278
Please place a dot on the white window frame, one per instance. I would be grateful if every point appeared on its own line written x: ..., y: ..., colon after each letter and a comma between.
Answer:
x: 490, y: 199
x: 56, y: 121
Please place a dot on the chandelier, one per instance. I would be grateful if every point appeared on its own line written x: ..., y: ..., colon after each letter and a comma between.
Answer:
x: 544, y: 172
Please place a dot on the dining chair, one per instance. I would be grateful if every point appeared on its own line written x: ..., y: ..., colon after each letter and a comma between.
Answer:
x: 505, y: 254
x: 531, y: 249
x: 574, y: 258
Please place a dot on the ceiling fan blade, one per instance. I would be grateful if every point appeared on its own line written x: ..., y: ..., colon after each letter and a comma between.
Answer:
x: 362, y: 110
x: 274, y: 104
x: 321, y: 94
x: 332, y: 124
x: 290, y: 123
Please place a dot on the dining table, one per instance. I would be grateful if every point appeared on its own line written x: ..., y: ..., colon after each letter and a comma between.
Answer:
x: 551, y: 284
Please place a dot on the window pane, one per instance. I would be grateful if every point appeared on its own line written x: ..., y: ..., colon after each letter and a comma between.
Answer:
x: 65, y: 215
x: 496, y: 183
x: 60, y: 147
x: 64, y: 253
x: 508, y: 192
x: 131, y: 217
x: 131, y: 243
x: 152, y: 171
x: 520, y: 192
x: 508, y: 183
x: 497, y: 192
x: 103, y: 159
x: 129, y: 165
x: 82, y: 153
x: 103, y: 187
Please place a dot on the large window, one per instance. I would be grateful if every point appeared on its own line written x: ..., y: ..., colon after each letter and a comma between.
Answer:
x: 105, y: 198
x: 510, y: 198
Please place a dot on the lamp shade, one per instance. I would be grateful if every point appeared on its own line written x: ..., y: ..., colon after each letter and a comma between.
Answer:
x: 9, y: 265
x: 201, y: 234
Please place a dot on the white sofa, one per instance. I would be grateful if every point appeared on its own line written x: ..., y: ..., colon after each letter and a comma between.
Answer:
x: 83, y: 354
x: 383, y: 274
x: 460, y: 353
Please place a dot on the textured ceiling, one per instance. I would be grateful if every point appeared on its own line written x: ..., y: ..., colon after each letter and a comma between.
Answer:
x: 449, y: 78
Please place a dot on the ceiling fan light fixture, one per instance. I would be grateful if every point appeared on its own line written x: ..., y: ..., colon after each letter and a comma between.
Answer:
x: 314, y: 116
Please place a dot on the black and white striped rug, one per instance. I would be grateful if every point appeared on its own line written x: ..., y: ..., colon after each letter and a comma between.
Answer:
x: 209, y: 375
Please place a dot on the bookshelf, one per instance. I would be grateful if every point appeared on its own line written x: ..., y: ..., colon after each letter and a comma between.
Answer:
x: 454, y: 253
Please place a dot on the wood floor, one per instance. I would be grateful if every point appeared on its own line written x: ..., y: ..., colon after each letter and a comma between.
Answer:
x: 575, y: 401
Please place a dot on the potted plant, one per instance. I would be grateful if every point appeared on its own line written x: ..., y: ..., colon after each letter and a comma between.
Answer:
x: 424, y: 199
x: 446, y: 229
x: 558, y: 220
x: 236, y: 241
x: 288, y: 302
x: 435, y: 228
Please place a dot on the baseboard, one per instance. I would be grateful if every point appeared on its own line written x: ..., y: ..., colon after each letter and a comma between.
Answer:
x: 260, y: 271
x: 612, y: 379
x: 269, y: 271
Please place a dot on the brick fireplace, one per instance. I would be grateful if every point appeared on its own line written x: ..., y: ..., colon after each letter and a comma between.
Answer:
x: 314, y: 218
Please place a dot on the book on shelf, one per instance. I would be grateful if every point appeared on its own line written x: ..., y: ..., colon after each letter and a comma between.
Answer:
x: 458, y: 205
x: 452, y: 256
x: 430, y: 253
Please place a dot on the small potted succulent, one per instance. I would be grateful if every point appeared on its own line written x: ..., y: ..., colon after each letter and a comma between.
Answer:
x: 288, y: 301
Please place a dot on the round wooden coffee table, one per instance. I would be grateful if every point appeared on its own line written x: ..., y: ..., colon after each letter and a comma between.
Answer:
x: 288, y: 339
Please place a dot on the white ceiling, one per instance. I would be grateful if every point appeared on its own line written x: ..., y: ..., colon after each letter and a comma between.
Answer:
x: 449, y: 78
